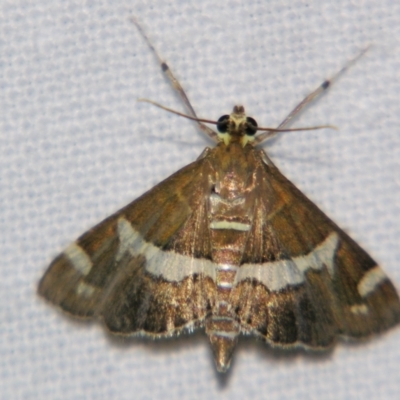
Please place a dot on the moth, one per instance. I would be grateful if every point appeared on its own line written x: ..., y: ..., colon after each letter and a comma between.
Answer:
x: 227, y: 244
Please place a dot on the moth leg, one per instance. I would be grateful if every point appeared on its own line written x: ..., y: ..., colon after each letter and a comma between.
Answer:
x: 175, y: 83
x: 311, y: 97
x: 321, y: 89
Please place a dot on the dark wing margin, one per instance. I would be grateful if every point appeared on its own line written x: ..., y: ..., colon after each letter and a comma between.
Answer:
x: 314, y: 282
x: 105, y: 273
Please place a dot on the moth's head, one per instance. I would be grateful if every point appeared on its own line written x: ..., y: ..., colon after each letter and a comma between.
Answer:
x: 236, y: 127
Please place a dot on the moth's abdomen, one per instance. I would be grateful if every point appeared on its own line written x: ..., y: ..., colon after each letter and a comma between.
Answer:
x: 229, y: 226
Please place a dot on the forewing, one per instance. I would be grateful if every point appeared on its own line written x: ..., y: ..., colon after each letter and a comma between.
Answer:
x: 303, y: 280
x: 137, y: 269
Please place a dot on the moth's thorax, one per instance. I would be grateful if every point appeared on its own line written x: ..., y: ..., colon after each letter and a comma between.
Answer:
x: 231, y: 200
x: 234, y: 169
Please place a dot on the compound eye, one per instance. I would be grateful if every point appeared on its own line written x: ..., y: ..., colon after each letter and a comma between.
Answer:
x: 222, y: 123
x: 251, y: 126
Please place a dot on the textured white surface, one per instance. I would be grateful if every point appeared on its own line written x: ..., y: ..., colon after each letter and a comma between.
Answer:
x: 76, y: 146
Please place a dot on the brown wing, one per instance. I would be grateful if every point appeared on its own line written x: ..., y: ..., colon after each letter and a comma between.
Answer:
x: 314, y: 281
x: 105, y: 272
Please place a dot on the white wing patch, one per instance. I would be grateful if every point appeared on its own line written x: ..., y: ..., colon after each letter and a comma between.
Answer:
x: 78, y: 258
x: 175, y: 267
x: 370, y: 281
x: 359, y: 309
x: 169, y: 265
x: 280, y: 274
x: 85, y: 290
